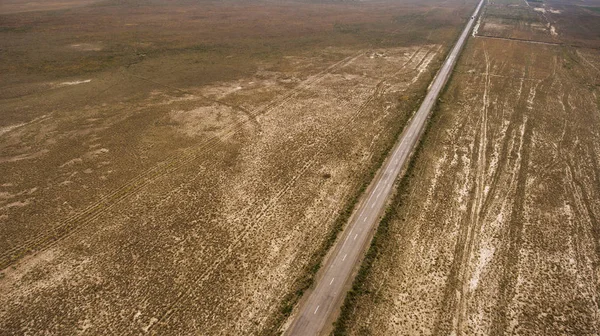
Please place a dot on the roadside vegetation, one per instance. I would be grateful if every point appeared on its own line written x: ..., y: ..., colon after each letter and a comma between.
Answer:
x: 180, y: 168
x: 494, y: 231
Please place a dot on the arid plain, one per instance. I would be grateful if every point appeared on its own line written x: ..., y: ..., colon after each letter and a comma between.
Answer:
x: 495, y: 230
x: 181, y: 167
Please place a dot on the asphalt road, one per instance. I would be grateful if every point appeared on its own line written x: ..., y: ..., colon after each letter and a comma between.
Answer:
x: 326, y: 298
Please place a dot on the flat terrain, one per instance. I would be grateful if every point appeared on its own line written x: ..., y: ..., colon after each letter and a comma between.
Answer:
x: 178, y: 169
x: 573, y: 23
x: 322, y: 304
x: 18, y: 6
x: 496, y: 231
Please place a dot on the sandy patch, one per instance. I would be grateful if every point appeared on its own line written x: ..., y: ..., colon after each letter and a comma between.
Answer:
x: 75, y: 82
x: 17, y: 204
x: 24, y: 156
x: 71, y: 162
x: 7, y: 129
x: 87, y: 46
x: 204, y: 119
x: 485, y: 255
x: 494, y: 26
x: 476, y: 28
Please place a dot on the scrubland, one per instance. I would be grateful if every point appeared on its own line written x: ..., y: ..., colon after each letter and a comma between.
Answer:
x: 179, y: 167
x: 495, y: 229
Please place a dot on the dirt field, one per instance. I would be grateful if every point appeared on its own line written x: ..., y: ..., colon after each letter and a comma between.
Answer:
x: 496, y: 231
x: 19, y: 6
x: 573, y: 23
x: 175, y: 169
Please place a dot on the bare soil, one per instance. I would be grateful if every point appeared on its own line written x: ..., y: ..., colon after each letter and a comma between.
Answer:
x: 554, y: 21
x: 496, y: 231
x: 172, y: 169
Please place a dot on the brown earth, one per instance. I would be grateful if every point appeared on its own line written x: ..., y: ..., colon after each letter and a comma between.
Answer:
x: 17, y: 6
x: 176, y: 168
x: 555, y: 21
x: 496, y: 230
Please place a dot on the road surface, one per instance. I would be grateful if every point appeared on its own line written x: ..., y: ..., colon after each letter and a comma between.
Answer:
x: 323, y: 302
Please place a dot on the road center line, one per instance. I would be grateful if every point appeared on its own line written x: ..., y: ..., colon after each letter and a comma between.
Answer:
x: 407, y: 143
x: 365, y: 204
x: 330, y: 282
x: 346, y: 240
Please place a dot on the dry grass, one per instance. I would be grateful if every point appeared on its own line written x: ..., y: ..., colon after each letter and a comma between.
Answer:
x: 175, y: 168
x: 560, y: 22
x: 496, y: 232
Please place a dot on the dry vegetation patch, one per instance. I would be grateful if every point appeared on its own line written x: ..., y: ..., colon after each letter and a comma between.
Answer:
x: 547, y: 21
x: 175, y: 168
x: 496, y: 229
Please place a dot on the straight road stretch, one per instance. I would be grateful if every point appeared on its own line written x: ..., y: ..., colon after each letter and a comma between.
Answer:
x: 324, y: 300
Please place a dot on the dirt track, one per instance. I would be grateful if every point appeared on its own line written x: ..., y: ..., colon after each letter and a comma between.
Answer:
x: 213, y: 237
x: 328, y: 293
x: 497, y: 231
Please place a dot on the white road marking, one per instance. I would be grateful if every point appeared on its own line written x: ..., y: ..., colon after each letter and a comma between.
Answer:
x: 367, y: 202
x: 345, y: 255
x: 346, y: 240
x: 330, y: 282
x: 408, y: 140
x: 364, y: 219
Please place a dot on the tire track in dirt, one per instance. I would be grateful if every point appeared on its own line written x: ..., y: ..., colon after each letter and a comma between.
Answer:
x: 486, y: 175
x: 518, y: 40
x: 472, y: 227
x: 81, y: 219
x: 236, y: 242
x: 377, y: 91
x: 310, y: 95
x: 483, y: 200
x: 558, y: 151
x: 583, y: 207
x: 510, y: 260
x: 506, y: 148
x: 245, y: 232
x: 510, y: 255
x: 443, y: 323
x: 587, y: 61
x: 506, y: 141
